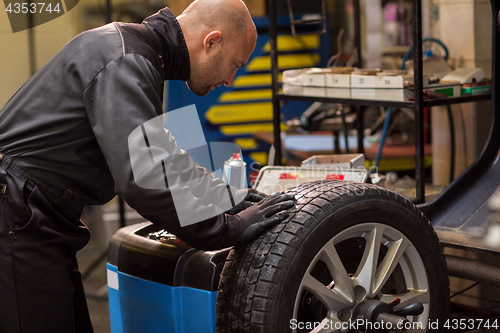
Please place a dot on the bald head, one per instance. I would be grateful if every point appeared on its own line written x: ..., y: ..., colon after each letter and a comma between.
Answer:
x: 231, y: 17
x: 220, y: 37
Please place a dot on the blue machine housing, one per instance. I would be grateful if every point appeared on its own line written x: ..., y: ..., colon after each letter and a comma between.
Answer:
x: 161, y: 286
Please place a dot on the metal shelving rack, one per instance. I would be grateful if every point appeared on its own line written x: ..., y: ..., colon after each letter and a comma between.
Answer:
x: 417, y: 105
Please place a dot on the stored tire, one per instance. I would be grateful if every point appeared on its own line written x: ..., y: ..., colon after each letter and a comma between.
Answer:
x: 342, y: 245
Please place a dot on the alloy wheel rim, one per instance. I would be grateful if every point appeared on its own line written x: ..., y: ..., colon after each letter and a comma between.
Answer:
x: 375, y: 268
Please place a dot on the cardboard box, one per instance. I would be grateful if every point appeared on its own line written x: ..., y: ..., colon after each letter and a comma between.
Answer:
x: 397, y: 81
x: 314, y: 79
x: 363, y: 80
x: 306, y: 76
x: 319, y: 77
x: 348, y: 161
x: 314, y: 91
x: 338, y: 92
x: 292, y: 89
x: 293, y: 76
x: 398, y: 95
x: 339, y: 77
x: 363, y: 93
x: 338, y: 80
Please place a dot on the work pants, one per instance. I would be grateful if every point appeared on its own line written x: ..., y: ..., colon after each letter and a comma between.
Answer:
x: 41, y: 288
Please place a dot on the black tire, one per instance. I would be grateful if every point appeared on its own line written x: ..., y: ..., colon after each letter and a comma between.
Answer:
x: 259, y: 286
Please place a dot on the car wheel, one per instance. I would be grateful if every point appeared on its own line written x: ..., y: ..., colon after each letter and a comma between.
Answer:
x: 345, y: 248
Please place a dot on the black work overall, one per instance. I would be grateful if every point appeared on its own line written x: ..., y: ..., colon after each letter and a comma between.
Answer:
x: 40, y: 286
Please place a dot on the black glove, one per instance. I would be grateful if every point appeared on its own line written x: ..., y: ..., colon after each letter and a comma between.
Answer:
x: 255, y: 196
x: 252, y: 196
x: 264, y: 214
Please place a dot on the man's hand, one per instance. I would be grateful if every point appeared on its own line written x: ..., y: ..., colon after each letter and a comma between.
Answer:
x: 262, y: 215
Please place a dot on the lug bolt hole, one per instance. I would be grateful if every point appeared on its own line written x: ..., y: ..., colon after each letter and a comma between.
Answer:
x: 359, y: 293
x: 344, y: 314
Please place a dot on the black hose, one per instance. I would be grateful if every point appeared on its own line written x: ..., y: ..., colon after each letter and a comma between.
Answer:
x: 473, y: 270
x: 452, y: 143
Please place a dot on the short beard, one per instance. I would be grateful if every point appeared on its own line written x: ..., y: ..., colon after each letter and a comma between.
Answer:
x: 196, y: 90
x: 204, y: 74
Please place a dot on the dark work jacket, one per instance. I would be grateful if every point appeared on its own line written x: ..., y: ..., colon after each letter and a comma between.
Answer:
x: 67, y: 128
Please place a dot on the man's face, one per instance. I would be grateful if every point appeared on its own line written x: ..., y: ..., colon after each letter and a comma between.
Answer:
x: 206, y: 74
x: 219, y: 67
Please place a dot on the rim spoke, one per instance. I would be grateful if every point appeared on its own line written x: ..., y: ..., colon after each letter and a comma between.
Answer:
x: 342, y: 280
x: 366, y: 271
x: 395, y: 251
x: 332, y: 299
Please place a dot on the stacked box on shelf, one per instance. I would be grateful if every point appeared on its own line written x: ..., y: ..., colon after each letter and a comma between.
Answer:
x: 363, y: 84
x: 394, y: 86
x: 319, y: 82
x: 305, y: 82
x: 383, y: 85
x: 338, y: 82
x: 352, y: 83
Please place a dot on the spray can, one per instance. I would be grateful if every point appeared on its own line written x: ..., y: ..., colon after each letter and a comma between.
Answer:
x: 235, y: 172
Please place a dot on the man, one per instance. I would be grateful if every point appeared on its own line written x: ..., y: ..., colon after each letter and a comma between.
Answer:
x: 63, y: 145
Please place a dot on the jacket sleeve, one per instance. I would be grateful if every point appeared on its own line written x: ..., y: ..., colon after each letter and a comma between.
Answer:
x: 120, y: 100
